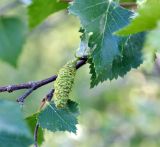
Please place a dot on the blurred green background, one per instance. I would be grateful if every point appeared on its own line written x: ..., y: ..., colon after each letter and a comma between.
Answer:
x: 120, y: 113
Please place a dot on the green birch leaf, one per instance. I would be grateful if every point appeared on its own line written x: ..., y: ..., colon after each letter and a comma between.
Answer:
x: 14, y: 131
x: 111, y: 55
x: 147, y: 18
x: 12, y: 38
x: 55, y: 119
x: 41, y: 9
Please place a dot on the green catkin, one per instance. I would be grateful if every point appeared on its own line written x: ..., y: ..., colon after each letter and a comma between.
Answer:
x: 64, y: 83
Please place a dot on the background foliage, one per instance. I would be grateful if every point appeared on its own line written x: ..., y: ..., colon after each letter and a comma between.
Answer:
x: 124, y: 112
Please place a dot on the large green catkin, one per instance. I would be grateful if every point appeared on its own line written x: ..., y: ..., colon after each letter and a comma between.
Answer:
x: 64, y: 83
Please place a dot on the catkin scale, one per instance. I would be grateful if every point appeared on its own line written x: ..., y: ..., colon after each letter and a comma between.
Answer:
x: 64, y: 83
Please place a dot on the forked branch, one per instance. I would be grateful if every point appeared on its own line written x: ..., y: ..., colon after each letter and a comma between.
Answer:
x: 32, y: 86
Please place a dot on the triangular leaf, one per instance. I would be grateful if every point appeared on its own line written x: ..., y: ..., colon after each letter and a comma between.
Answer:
x: 111, y: 56
x: 55, y: 119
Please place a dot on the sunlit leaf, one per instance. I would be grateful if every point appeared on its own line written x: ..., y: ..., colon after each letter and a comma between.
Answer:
x: 147, y: 18
x: 41, y: 9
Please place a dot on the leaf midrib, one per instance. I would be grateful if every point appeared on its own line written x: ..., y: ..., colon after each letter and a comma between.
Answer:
x: 59, y: 116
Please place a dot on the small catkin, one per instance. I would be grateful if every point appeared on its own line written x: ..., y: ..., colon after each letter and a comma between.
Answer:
x: 64, y: 83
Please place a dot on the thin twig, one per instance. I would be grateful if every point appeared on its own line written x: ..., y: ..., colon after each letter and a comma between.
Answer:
x: 36, y: 84
x: 67, y: 1
x: 123, y: 4
x: 26, y: 94
x: 28, y: 85
x: 48, y: 98
x: 36, y: 135
x: 50, y: 95
x: 32, y: 86
x: 129, y: 4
